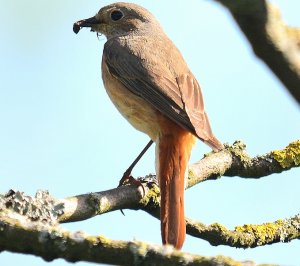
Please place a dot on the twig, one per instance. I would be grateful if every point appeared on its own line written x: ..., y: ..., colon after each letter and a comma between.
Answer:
x: 247, y: 236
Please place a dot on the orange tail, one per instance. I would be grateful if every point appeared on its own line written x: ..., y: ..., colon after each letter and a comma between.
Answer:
x: 173, y: 152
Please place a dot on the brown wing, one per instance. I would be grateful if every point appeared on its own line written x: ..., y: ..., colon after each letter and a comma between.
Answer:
x: 194, y: 106
x: 179, y: 98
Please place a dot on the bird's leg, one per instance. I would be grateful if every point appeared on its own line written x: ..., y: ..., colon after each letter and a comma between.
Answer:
x: 127, y: 177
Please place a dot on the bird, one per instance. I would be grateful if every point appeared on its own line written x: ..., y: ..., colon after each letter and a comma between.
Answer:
x: 151, y: 85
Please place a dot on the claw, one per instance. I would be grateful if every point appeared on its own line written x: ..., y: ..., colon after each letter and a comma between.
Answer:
x: 128, y: 178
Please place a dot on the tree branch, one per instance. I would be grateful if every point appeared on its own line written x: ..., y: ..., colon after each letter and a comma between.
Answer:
x: 18, y: 234
x: 277, y: 44
x: 232, y: 160
x: 81, y: 207
x: 247, y: 236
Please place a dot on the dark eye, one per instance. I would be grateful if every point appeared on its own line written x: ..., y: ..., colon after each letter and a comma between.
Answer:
x: 116, y: 15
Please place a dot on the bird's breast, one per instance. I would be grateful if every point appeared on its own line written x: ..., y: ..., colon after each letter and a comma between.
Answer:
x: 139, y: 113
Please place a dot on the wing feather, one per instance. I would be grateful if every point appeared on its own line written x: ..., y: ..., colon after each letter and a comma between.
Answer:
x: 177, y: 97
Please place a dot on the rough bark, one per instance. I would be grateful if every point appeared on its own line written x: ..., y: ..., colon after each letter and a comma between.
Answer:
x: 18, y: 234
x: 37, y: 218
x: 274, y: 42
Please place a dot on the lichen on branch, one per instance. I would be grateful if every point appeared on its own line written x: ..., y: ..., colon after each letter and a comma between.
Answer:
x: 288, y: 157
x: 33, y: 217
x: 52, y: 242
x: 248, y: 235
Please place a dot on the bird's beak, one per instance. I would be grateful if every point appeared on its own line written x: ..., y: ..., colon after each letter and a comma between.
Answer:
x: 89, y: 23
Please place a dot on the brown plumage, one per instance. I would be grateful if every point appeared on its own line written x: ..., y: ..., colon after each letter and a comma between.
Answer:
x: 149, y: 82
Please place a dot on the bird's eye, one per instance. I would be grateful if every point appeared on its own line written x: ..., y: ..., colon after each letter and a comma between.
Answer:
x: 116, y: 15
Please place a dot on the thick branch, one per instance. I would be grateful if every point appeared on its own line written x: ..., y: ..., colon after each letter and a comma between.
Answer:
x: 85, y: 206
x: 51, y: 242
x: 31, y: 219
x: 233, y: 160
x: 277, y: 44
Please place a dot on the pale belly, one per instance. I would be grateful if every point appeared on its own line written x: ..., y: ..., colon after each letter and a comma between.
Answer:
x: 137, y: 111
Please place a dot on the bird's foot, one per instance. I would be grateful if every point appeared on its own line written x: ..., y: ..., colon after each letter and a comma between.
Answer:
x: 127, y: 178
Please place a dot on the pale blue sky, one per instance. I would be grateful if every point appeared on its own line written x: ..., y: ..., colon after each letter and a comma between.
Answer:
x: 60, y: 132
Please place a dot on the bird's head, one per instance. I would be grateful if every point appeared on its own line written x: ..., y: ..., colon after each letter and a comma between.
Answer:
x: 118, y: 19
